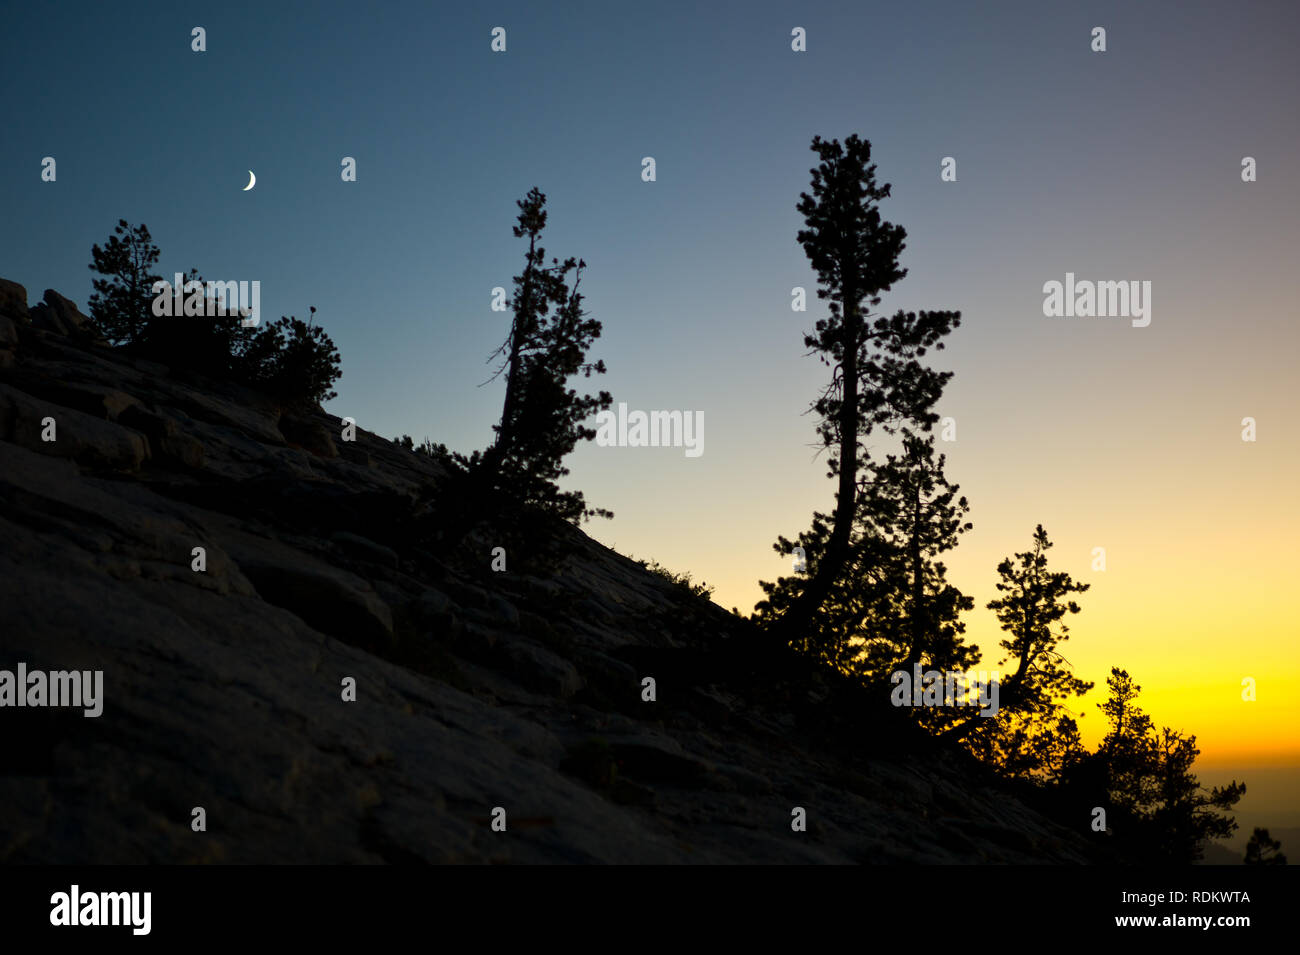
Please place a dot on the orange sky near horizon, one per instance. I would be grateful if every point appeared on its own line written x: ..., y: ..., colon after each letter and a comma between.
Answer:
x: 1188, y: 611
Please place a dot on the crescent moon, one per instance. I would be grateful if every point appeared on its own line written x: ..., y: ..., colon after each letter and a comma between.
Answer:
x: 252, y: 181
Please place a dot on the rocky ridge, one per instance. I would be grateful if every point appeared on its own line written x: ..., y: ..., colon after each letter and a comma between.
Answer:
x: 474, y: 689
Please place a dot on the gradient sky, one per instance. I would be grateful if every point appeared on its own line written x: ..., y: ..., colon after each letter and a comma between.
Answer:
x: 1122, y: 165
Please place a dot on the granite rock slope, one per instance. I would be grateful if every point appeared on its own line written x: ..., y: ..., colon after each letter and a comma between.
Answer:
x: 474, y: 689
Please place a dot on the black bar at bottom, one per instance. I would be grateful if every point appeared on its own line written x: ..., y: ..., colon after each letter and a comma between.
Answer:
x: 331, y: 905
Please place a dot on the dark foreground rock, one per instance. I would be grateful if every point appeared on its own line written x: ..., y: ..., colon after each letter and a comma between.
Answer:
x: 223, y: 687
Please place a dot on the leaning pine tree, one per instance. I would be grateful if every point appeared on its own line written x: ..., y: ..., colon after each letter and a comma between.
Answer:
x: 542, y: 419
x: 1032, y: 608
x: 877, y: 383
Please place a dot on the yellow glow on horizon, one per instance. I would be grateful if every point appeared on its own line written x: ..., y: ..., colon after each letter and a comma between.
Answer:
x: 1188, y: 608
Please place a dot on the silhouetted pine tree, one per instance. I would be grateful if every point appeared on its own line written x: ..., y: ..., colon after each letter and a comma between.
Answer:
x: 877, y: 381
x: 542, y: 418
x: 1129, y: 749
x: 295, y: 361
x: 122, y: 303
x: 912, y: 507
x: 1051, y: 752
x: 1035, y: 600
x: 1263, y: 849
x: 1155, y: 806
x: 210, y: 344
x: 893, y: 606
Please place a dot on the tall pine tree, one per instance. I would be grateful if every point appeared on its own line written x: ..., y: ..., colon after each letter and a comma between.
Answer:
x: 877, y: 383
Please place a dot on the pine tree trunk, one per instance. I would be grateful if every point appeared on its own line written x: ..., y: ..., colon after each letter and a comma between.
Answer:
x: 793, y: 624
x: 918, y: 585
x: 506, y: 433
